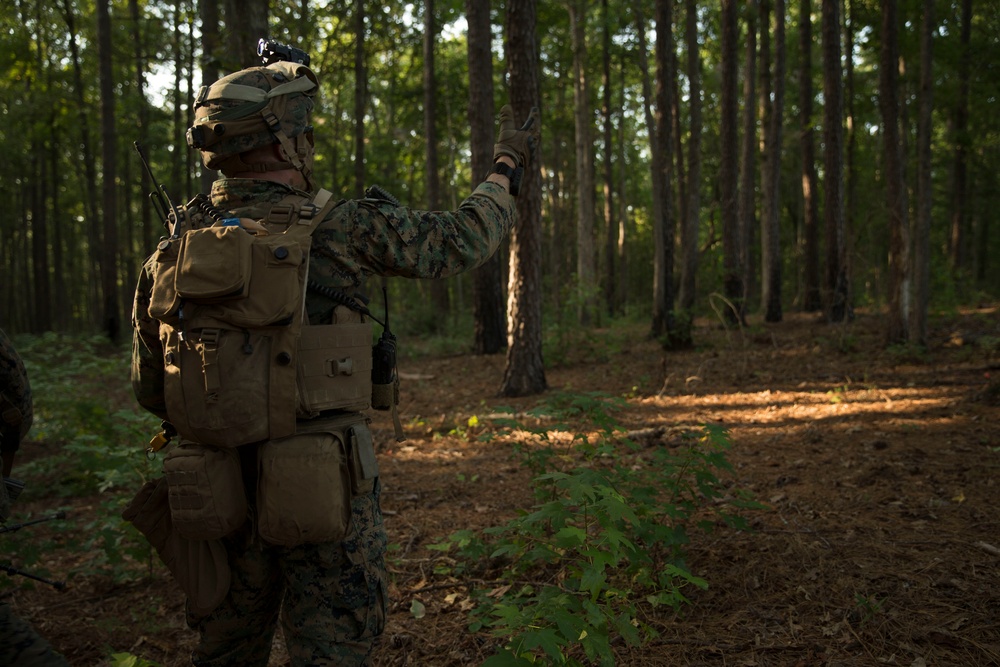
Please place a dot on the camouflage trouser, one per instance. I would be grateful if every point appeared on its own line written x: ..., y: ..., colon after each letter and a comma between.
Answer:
x: 332, y: 599
x: 20, y: 645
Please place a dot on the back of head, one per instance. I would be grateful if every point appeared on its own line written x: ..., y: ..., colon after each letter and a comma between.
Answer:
x: 255, y: 107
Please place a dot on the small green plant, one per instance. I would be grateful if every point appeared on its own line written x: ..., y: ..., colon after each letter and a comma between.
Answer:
x: 129, y: 660
x: 602, y: 545
x: 869, y: 606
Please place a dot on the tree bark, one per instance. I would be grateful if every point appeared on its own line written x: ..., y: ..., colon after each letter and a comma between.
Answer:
x: 750, y: 159
x: 959, y: 186
x: 809, y: 239
x: 921, y: 264
x: 897, y: 321
x: 837, y: 287
x: 209, y: 12
x: 109, y: 168
x: 246, y: 23
x: 732, y: 279
x: 360, y: 97
x: 612, y: 305
x: 690, y: 223
x: 524, y: 373
x: 586, y: 273
x: 771, y: 218
x: 439, y: 288
x: 487, y: 286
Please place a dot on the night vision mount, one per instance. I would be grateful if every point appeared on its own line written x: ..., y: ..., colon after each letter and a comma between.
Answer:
x: 271, y: 51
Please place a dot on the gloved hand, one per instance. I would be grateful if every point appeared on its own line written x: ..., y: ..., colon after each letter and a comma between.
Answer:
x: 517, y: 144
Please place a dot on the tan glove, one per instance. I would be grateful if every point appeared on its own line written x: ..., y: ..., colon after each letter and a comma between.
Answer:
x: 517, y: 144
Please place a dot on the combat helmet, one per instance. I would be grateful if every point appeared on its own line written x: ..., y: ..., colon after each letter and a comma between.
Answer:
x: 255, y: 107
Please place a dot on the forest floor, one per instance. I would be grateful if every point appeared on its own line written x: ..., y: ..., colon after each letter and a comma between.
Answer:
x: 878, y: 471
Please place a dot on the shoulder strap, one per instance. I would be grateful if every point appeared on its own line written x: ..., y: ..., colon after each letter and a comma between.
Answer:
x: 304, y: 216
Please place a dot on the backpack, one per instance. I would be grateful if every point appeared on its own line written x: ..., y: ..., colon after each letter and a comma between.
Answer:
x: 241, y: 362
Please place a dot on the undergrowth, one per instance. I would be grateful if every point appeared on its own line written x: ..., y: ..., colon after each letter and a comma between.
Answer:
x: 84, y: 409
x: 602, y: 548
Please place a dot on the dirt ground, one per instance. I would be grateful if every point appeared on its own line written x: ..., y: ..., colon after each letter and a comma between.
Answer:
x: 879, y: 543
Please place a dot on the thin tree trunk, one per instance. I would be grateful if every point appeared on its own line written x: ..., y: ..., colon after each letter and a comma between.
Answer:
x: 586, y: 272
x: 487, y: 285
x: 770, y: 227
x: 837, y: 285
x: 897, y: 321
x: 692, y: 212
x: 360, y: 97
x: 209, y: 11
x: 921, y: 264
x: 611, y: 238
x: 524, y: 372
x: 89, y: 194
x: 439, y: 288
x: 674, y: 334
x: 809, y: 240
x: 109, y: 148
x: 959, y: 187
x: 749, y: 161
x: 732, y: 278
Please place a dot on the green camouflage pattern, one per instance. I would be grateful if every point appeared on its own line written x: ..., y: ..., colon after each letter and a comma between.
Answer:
x: 334, y: 596
x: 16, y: 413
x: 20, y: 645
x: 329, y: 598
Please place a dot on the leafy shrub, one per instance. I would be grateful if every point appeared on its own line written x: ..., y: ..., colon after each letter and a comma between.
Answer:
x: 603, y: 544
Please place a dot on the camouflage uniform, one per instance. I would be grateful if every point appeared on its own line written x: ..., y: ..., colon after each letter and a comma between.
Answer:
x: 19, y: 643
x: 334, y: 595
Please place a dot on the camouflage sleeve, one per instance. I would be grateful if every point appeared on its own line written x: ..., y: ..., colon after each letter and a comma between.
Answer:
x: 372, y: 236
x: 16, y: 411
x: 147, y: 350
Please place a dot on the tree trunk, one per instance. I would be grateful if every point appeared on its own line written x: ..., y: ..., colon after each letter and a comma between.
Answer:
x: 586, y: 273
x: 209, y: 11
x: 246, y: 23
x: 109, y: 148
x: 487, y: 285
x: 897, y: 321
x: 921, y: 264
x: 809, y: 239
x: 439, y: 288
x: 524, y: 373
x: 771, y: 218
x: 959, y: 185
x: 612, y: 305
x: 360, y: 98
x: 692, y: 212
x: 656, y: 166
x: 837, y: 285
x: 749, y: 161
x: 732, y: 278
x: 89, y: 194
x: 675, y: 334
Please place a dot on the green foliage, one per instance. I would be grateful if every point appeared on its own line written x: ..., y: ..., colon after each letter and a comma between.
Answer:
x: 129, y: 660
x: 602, y: 545
x: 84, y: 405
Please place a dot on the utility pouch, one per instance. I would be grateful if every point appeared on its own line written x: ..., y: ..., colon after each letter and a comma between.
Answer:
x: 202, y: 253
x: 200, y: 567
x: 364, y: 465
x: 205, y: 491
x: 304, y: 489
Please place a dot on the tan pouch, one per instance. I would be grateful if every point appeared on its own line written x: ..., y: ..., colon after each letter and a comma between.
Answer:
x: 201, y: 567
x: 206, y: 494
x: 303, y: 490
x: 213, y: 264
